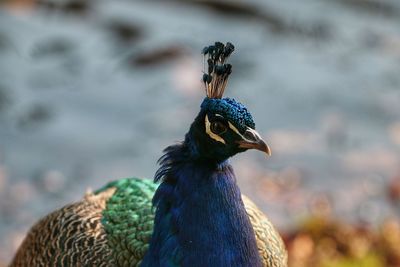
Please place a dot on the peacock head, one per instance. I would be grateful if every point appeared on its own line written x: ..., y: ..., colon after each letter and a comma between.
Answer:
x: 224, y: 127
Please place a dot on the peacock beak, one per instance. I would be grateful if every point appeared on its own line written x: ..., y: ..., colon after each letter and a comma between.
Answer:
x: 252, y: 140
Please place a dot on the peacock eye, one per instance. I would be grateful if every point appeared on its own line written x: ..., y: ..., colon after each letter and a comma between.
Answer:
x: 218, y: 127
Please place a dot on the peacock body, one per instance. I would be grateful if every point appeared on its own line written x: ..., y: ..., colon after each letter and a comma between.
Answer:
x: 194, y: 213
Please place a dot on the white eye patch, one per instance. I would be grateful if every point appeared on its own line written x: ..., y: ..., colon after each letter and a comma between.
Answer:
x: 212, y: 135
x: 233, y: 128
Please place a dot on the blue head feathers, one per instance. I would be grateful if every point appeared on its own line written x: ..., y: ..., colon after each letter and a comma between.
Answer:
x: 224, y: 127
x: 231, y: 110
x: 215, y: 81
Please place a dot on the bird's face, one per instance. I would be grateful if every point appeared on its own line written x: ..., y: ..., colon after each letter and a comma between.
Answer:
x: 224, y: 128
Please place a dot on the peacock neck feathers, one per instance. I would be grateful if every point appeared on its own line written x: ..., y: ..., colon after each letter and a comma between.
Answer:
x: 200, y: 217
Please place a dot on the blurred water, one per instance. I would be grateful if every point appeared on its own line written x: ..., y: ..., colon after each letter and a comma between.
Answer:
x: 93, y: 91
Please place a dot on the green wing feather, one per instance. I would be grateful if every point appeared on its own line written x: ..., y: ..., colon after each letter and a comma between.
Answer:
x: 113, y: 227
x: 128, y: 219
x: 110, y: 227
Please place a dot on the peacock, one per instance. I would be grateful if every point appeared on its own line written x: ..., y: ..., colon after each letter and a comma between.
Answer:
x: 192, y: 214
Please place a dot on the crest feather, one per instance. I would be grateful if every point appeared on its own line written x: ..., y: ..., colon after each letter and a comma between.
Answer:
x: 216, y: 77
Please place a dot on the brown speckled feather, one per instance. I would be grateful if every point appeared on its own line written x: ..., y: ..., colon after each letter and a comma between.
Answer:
x: 269, y: 242
x: 75, y: 236
x: 70, y: 236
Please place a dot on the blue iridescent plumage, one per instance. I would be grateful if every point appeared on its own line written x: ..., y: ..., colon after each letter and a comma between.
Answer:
x: 200, y: 217
x: 230, y: 109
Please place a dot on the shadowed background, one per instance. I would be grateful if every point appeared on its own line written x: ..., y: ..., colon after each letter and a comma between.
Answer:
x: 92, y: 91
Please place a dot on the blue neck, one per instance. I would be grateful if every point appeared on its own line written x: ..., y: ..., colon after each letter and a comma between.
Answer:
x: 200, y: 217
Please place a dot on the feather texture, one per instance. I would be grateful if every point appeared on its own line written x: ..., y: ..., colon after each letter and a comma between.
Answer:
x: 200, y: 218
x: 70, y: 236
x: 93, y: 232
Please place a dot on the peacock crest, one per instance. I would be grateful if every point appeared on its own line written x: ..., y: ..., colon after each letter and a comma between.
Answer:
x: 216, y: 76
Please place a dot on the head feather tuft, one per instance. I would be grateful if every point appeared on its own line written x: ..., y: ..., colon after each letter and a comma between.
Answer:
x: 216, y: 77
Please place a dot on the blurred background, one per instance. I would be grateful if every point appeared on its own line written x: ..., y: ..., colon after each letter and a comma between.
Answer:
x: 92, y: 91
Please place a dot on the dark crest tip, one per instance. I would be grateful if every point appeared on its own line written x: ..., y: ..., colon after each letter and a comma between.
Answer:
x: 216, y: 77
x: 205, y: 50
